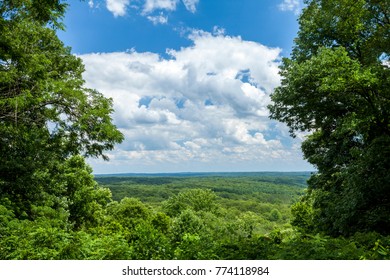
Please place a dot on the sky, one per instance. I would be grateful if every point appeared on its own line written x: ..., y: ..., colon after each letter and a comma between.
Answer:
x: 190, y: 81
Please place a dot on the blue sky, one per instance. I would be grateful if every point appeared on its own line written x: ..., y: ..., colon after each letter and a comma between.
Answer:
x: 190, y: 81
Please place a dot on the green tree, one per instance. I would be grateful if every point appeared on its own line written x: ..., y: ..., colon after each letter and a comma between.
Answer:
x: 46, y: 114
x: 194, y: 199
x: 84, y: 199
x: 336, y: 87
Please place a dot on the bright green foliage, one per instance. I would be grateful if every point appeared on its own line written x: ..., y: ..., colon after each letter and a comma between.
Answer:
x: 47, y: 237
x: 40, y: 239
x: 131, y: 229
x: 41, y: 11
x: 100, y: 246
x: 194, y: 247
x: 129, y: 212
x: 336, y: 87
x: 275, y: 215
x: 194, y: 199
x: 150, y: 243
x: 187, y: 222
x: 206, y: 224
x: 161, y: 222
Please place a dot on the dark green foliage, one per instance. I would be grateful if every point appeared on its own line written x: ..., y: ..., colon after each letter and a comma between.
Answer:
x: 336, y: 87
x: 46, y: 114
x: 265, y: 187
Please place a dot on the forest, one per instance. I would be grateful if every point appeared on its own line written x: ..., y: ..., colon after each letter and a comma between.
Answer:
x: 334, y: 87
x: 214, y: 216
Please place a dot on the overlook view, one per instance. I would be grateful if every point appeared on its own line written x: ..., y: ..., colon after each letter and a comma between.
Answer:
x: 194, y: 130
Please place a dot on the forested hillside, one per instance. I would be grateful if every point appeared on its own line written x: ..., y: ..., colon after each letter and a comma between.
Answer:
x: 207, y: 217
x: 335, y: 87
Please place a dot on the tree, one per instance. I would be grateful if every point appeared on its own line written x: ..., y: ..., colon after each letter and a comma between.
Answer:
x: 46, y: 114
x: 336, y: 87
x: 194, y: 199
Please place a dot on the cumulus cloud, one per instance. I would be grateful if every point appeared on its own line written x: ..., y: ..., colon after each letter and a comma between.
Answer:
x: 290, y: 5
x: 117, y: 7
x: 205, y: 103
x: 152, y: 5
x: 151, y: 9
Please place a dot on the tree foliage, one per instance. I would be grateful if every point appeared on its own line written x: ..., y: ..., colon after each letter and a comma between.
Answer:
x: 336, y: 87
x: 46, y: 113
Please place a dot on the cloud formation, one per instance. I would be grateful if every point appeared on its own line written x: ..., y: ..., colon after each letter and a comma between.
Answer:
x: 191, y: 5
x: 152, y: 5
x: 205, y: 103
x: 151, y: 9
x: 117, y: 7
x: 291, y: 5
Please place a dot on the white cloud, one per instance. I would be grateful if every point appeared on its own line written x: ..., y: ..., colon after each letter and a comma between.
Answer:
x: 117, y: 7
x: 159, y: 19
x: 191, y: 5
x: 152, y: 5
x: 147, y: 8
x: 207, y: 103
x: 290, y: 5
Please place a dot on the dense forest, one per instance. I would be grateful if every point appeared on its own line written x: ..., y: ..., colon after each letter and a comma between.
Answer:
x: 208, y: 216
x: 335, y: 87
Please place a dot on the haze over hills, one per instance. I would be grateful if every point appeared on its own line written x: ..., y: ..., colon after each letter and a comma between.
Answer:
x: 207, y: 174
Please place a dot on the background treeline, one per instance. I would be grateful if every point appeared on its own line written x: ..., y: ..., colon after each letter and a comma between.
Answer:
x: 245, y: 217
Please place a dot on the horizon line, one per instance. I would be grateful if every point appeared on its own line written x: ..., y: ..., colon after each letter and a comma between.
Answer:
x: 196, y: 172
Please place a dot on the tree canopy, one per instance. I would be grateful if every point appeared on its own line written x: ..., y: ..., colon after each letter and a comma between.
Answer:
x: 46, y: 114
x: 336, y: 87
